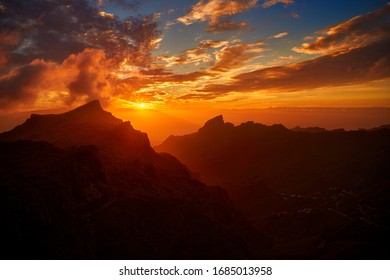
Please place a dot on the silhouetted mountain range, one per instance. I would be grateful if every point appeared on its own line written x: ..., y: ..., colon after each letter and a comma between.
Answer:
x: 316, y: 193
x: 85, y: 185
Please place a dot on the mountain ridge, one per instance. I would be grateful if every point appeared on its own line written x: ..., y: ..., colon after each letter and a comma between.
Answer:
x: 85, y: 185
x: 86, y: 125
x: 325, y: 182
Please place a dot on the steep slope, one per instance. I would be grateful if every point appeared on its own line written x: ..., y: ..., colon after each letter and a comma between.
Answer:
x: 102, y: 192
x: 320, y: 194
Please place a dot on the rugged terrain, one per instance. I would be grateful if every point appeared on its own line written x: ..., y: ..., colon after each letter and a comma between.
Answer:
x: 85, y: 185
x: 317, y: 193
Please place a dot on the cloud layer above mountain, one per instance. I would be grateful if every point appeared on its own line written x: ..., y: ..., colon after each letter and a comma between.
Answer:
x: 72, y: 51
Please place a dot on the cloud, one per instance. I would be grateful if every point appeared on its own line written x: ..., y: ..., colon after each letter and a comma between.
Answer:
x: 217, y: 13
x: 280, y: 35
x: 91, y: 75
x: 84, y: 77
x: 180, y: 78
x: 356, y: 64
x: 225, y: 26
x: 8, y: 39
x: 107, y: 15
x: 128, y: 5
x: 295, y: 15
x: 156, y: 88
x: 194, y: 96
x: 196, y: 55
x: 269, y: 3
x: 360, y: 65
x: 214, y: 11
x: 70, y: 49
x: 224, y: 55
x: 354, y: 33
x: 232, y: 57
x: 23, y: 85
x: 54, y: 29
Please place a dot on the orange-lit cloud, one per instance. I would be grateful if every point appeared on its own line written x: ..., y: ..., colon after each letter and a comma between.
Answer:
x: 91, y: 75
x: 280, y: 35
x: 70, y: 49
x: 222, y: 55
x: 213, y: 12
x: 355, y: 52
x: 54, y: 29
x: 195, y: 96
x: 84, y: 77
x: 358, y: 66
x: 217, y: 13
x: 235, y: 56
x: 354, y: 33
x: 196, y: 55
x: 78, y: 52
x: 225, y: 26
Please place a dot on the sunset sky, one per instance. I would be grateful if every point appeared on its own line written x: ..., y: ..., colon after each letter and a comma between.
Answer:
x: 186, y: 60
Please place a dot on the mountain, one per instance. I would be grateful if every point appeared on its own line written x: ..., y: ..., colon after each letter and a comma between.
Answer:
x: 86, y: 185
x: 318, y: 193
x: 86, y: 125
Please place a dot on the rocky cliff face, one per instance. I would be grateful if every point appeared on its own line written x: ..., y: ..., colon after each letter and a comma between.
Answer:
x: 86, y: 185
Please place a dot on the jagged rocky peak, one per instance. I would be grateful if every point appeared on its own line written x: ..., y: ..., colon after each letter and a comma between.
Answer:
x: 218, y: 120
x: 215, y: 124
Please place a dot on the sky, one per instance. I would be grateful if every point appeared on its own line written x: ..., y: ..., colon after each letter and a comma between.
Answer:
x: 189, y: 59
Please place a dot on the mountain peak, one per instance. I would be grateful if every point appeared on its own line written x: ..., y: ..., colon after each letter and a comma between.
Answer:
x: 90, y: 106
x: 216, y: 121
x: 216, y: 124
x: 92, y: 112
x: 85, y: 125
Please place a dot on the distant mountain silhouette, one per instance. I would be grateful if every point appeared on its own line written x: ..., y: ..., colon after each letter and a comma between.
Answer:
x: 318, y: 193
x: 309, y: 129
x: 85, y: 185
